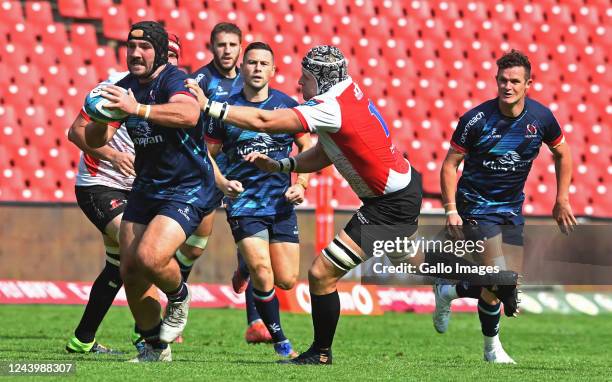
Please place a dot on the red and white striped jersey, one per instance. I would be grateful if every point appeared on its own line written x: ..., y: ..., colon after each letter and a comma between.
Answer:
x: 356, y: 139
x: 96, y: 172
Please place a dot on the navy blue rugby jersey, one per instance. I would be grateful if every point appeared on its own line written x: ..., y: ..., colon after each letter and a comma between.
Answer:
x: 171, y: 163
x: 218, y: 88
x: 264, y: 193
x: 499, y: 152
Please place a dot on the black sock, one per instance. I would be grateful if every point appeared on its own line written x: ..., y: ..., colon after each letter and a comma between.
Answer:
x: 151, y: 337
x: 464, y: 289
x: 185, y: 264
x: 101, y: 298
x: 251, y: 309
x: 489, y: 317
x: 267, y: 306
x: 325, y: 316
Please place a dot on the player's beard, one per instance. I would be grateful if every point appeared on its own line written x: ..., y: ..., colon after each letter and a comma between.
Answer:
x: 226, y: 67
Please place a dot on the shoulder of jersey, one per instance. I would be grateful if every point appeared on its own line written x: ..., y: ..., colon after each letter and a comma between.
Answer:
x: 486, y: 107
x: 116, y: 77
x: 537, y: 106
x: 285, y: 98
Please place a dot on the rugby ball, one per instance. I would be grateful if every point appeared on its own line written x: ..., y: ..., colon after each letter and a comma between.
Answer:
x: 94, y: 107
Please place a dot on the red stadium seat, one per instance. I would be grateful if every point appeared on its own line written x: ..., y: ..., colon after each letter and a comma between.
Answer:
x: 21, y: 35
x: 136, y: 8
x: 11, y: 12
x: 204, y: 22
x: 115, y: 23
x: 83, y: 37
x: 72, y: 8
x: 98, y: 8
x: 531, y: 12
x: 392, y: 10
x: 162, y: 7
x: 104, y: 60
x: 178, y: 21
x: 193, y: 7
x: 39, y: 12
x: 55, y: 35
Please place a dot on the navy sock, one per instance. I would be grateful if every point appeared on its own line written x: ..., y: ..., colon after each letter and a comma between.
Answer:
x: 489, y: 317
x: 251, y: 309
x: 267, y: 306
x: 242, y: 266
x: 464, y: 289
x: 101, y: 298
x: 185, y: 264
x: 180, y: 294
x: 151, y: 337
x: 325, y: 316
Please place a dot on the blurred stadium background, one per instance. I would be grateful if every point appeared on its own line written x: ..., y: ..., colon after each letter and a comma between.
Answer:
x: 423, y: 63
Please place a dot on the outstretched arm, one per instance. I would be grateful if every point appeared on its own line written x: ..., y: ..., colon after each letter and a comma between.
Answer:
x: 249, y: 118
x: 311, y: 160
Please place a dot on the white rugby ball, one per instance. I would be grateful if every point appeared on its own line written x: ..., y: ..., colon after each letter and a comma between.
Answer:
x: 94, y: 107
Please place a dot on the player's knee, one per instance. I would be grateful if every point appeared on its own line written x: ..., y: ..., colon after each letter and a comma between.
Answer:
x: 149, y: 259
x: 317, y: 273
x: 286, y: 283
x: 129, y: 268
x: 262, y: 272
x: 195, y: 246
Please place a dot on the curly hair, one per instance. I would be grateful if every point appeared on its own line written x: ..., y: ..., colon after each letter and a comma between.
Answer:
x: 514, y: 58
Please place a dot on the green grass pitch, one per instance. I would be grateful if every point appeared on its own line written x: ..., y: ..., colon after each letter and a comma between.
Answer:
x: 389, y: 347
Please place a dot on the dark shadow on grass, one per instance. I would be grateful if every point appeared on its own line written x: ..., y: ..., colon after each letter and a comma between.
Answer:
x: 28, y: 337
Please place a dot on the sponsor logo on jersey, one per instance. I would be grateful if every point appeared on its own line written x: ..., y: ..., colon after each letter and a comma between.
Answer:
x: 141, y: 135
x: 220, y: 91
x: 470, y: 123
x: 262, y: 143
x: 199, y: 78
x: 510, y: 161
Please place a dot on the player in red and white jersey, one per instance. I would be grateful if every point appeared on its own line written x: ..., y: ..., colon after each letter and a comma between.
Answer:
x: 104, y: 180
x: 354, y: 137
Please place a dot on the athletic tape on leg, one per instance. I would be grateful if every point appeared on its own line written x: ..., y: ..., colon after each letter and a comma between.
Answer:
x: 341, y: 255
x: 197, y: 241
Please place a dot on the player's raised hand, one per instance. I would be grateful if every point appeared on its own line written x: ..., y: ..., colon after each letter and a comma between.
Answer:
x: 232, y: 188
x: 123, y: 162
x: 563, y: 215
x: 262, y: 161
x: 197, y: 91
x: 120, y: 99
x: 454, y: 226
x: 295, y: 194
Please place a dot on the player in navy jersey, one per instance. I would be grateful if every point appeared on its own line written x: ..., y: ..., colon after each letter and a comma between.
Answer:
x: 218, y: 79
x: 262, y: 217
x: 172, y: 190
x: 498, y: 142
x: 103, y: 183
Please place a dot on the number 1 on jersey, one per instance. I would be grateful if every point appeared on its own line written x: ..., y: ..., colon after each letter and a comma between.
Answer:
x: 375, y: 113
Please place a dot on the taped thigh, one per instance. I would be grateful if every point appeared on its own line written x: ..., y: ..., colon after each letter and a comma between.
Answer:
x: 341, y: 255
